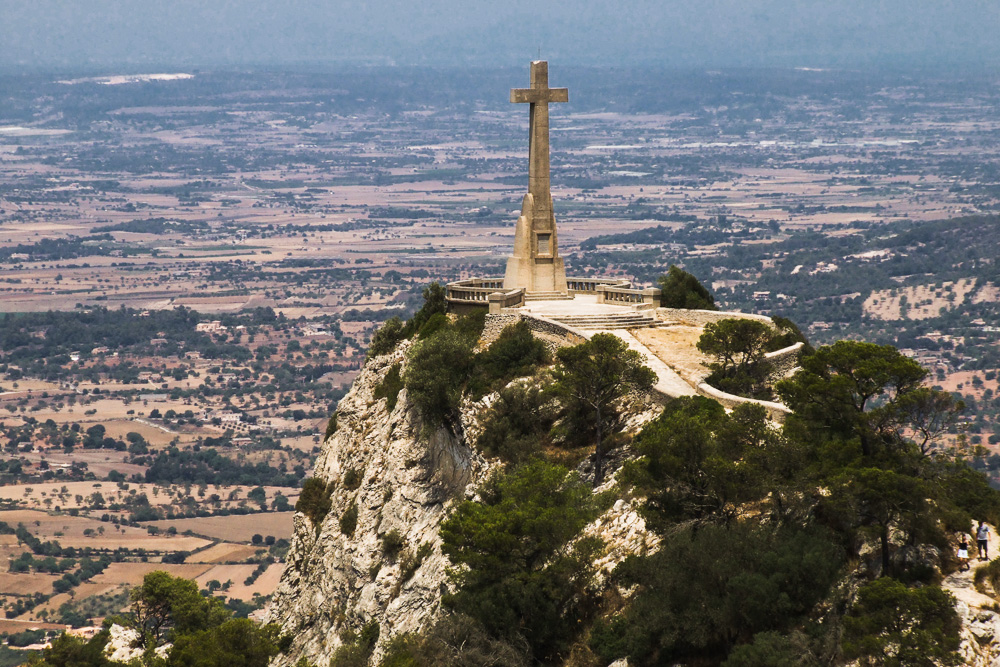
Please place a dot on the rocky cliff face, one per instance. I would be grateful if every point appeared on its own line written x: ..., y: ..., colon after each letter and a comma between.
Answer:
x: 401, y: 482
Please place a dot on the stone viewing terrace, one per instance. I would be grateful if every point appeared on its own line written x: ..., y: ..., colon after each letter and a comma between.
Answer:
x: 563, y: 310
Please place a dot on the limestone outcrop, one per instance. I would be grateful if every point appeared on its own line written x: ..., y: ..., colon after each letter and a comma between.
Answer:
x: 400, y: 482
x: 403, y: 482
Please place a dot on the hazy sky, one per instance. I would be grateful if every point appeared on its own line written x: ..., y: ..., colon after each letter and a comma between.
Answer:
x: 205, y: 33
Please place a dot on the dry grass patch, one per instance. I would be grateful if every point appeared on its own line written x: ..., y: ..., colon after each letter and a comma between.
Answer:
x: 676, y: 347
x: 921, y: 301
x: 27, y: 583
x: 224, y: 552
x: 236, y: 528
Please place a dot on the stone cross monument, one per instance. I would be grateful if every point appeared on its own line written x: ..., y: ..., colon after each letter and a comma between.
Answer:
x: 536, y: 265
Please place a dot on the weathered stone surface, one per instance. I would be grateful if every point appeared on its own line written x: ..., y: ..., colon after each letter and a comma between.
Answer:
x: 535, y: 264
x: 333, y: 583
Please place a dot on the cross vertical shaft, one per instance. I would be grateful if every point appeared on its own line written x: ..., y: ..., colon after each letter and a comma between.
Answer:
x: 538, y: 96
x: 535, y: 264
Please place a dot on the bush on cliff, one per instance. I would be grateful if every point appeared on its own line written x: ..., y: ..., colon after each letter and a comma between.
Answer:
x: 314, y: 501
x: 386, y: 338
x: 389, y: 388
x: 517, y: 426
x: 680, y: 289
x: 515, y: 574
x: 515, y: 353
x: 751, y: 549
x: 435, y: 375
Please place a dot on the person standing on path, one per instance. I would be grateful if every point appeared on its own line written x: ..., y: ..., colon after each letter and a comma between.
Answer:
x: 983, y: 538
x: 963, y: 552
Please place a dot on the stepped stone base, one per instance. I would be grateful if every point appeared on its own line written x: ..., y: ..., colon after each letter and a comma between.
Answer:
x: 637, y: 320
x: 548, y: 296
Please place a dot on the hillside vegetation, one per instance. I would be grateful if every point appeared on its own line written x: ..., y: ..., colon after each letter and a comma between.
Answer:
x: 819, y: 542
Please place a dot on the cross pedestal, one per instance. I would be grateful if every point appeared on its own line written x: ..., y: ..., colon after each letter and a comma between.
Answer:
x: 535, y: 264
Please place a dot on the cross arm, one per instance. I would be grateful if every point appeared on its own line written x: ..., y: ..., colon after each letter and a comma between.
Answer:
x: 536, y: 95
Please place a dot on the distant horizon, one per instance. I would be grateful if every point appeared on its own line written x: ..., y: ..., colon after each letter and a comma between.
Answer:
x: 51, y: 35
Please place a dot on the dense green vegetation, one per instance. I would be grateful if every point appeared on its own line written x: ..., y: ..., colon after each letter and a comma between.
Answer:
x: 165, y: 610
x: 209, y: 466
x: 738, y: 346
x: 680, y: 289
x: 764, y: 532
x: 314, y: 501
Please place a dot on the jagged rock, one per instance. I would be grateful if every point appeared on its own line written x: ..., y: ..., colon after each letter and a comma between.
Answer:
x: 921, y: 555
x: 408, y: 481
x: 123, y: 645
x: 333, y: 583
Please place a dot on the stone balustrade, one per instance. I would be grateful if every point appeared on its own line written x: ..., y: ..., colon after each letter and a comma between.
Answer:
x: 589, y: 285
x: 625, y: 296
x: 465, y: 295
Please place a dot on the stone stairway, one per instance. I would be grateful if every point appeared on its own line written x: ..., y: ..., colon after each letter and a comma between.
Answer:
x: 547, y: 296
x: 630, y: 320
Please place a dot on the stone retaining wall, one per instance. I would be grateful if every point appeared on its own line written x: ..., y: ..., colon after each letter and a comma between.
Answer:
x: 784, y: 360
x: 703, y: 317
x: 553, y: 334
x: 494, y: 325
x: 777, y: 411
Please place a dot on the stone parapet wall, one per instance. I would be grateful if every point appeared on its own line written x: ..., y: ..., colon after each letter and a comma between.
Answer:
x: 784, y: 360
x: 553, y: 334
x: 545, y: 326
x: 703, y: 317
x: 777, y: 411
x: 494, y: 325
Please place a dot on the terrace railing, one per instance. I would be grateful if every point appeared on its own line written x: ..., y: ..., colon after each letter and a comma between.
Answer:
x: 482, y: 292
x: 589, y: 285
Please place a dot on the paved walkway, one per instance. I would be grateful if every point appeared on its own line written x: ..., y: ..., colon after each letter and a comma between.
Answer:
x: 668, y: 381
x: 581, y: 304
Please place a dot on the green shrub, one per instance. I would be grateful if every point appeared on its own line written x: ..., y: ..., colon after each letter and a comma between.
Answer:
x: 517, y: 425
x: 403, y: 651
x: 389, y: 388
x: 515, y: 353
x: 331, y: 427
x: 349, y: 520
x: 916, y: 626
x: 471, y: 324
x: 455, y: 640
x: 990, y: 572
x: 708, y: 588
x: 411, y: 562
x: 314, y: 501
x: 680, y: 289
x: 352, y: 479
x: 738, y: 346
x: 520, y: 579
x: 438, y: 368
x: 357, y: 648
x: 788, y: 334
x: 434, y: 303
x: 434, y: 323
x: 392, y: 543
x: 386, y: 338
